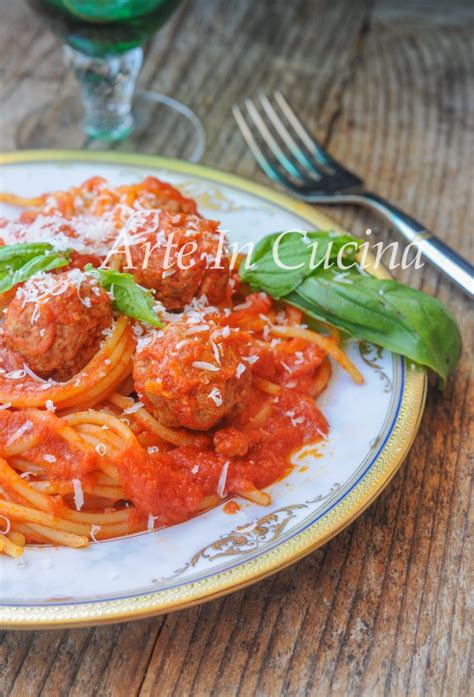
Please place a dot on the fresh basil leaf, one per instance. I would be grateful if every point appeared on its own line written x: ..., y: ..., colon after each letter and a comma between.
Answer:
x: 11, y: 252
x: 17, y: 254
x: 281, y: 261
x: 20, y: 268
x: 384, y: 312
x: 128, y: 297
x: 264, y: 271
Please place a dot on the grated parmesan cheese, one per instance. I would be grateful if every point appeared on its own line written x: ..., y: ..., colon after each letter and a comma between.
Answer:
x: 222, y: 480
x: 20, y: 432
x: 204, y: 365
x: 78, y: 494
x: 93, y: 532
x: 216, y: 397
x: 135, y: 407
x: 299, y: 357
x: 87, y: 233
x: 48, y: 383
x: 33, y: 375
x: 196, y: 329
x: 242, y: 306
x: 15, y: 374
x: 151, y: 521
x: 224, y: 331
x: 216, y: 353
x: 170, y: 272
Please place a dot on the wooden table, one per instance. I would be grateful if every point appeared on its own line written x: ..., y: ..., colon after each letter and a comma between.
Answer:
x: 382, y: 609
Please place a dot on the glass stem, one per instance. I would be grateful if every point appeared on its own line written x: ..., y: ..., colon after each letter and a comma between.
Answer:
x: 107, y: 87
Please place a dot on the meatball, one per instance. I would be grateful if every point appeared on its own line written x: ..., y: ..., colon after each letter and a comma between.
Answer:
x: 56, y: 322
x: 154, y: 193
x: 181, y: 258
x: 192, y: 374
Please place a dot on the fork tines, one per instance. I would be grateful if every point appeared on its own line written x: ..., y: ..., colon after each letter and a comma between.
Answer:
x: 286, y: 151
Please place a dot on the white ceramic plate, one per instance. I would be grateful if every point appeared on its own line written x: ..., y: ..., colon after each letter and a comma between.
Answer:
x: 371, y: 429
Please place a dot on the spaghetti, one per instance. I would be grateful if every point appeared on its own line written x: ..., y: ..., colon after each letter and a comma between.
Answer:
x: 158, y: 425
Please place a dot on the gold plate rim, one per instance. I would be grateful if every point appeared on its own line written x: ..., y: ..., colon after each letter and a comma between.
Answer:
x: 318, y: 533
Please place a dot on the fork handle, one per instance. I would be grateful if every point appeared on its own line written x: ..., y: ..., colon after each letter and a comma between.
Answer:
x: 439, y: 254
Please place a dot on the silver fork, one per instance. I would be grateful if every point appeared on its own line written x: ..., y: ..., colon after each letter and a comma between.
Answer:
x: 289, y: 155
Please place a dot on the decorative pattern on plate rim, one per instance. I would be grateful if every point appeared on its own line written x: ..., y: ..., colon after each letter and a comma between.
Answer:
x: 249, y: 537
x: 371, y: 354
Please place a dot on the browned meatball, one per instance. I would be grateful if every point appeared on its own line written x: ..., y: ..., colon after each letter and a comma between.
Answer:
x: 178, y: 260
x: 192, y: 374
x: 56, y: 322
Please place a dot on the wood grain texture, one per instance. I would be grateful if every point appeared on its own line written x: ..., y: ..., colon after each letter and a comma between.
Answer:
x: 384, y: 608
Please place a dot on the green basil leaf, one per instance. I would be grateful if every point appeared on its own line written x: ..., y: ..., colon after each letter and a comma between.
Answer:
x: 281, y: 261
x: 14, y: 273
x: 15, y: 255
x: 128, y: 297
x: 384, y: 312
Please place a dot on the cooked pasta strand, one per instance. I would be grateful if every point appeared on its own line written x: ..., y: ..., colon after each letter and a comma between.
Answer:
x: 21, y: 201
x: 256, y: 496
x: 209, y: 502
x: 149, y: 423
x: 60, y: 537
x: 9, y: 547
x: 17, y: 538
x: 112, y: 518
x: 12, y: 480
x: 114, y: 493
x: 267, y: 386
x: 31, y: 536
x: 322, y: 378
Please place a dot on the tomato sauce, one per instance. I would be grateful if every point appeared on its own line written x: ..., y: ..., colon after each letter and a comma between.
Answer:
x: 171, y: 485
x: 231, y: 507
x: 251, y: 447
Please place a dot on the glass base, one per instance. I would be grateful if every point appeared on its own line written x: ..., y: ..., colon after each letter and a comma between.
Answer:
x: 162, y: 126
